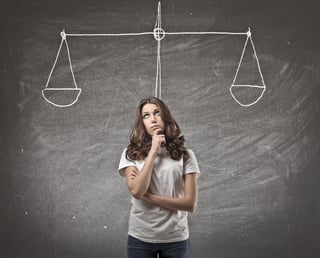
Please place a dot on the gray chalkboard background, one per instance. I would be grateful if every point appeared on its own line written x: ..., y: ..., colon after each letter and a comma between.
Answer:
x: 61, y: 195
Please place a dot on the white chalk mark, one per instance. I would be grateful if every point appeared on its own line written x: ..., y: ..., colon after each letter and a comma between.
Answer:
x: 215, y: 72
x: 266, y: 181
x: 284, y: 68
x: 108, y: 34
x: 159, y: 34
x: 111, y: 109
x: 206, y: 33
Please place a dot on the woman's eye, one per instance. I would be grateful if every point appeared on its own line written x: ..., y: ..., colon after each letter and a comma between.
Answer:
x: 158, y: 113
x: 145, y: 116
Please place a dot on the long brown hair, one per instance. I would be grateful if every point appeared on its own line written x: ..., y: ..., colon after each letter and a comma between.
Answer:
x: 140, y: 140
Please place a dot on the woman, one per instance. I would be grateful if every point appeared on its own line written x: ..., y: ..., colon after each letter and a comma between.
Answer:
x: 161, y: 175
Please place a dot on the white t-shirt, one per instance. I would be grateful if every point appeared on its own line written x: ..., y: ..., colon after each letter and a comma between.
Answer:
x: 151, y: 223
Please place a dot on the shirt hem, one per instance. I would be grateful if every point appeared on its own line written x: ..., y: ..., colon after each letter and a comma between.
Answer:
x: 160, y: 241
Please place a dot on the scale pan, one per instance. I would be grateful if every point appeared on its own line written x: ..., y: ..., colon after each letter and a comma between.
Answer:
x: 61, y: 97
x: 247, y: 95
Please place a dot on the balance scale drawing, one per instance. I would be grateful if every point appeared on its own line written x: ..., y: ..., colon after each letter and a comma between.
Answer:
x: 159, y: 34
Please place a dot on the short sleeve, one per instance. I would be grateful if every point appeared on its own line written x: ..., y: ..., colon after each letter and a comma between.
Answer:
x: 191, y: 165
x: 124, y: 163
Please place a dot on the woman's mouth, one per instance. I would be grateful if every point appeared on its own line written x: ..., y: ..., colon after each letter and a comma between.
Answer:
x: 157, y: 127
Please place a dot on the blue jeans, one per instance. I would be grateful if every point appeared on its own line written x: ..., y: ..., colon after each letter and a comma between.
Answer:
x: 140, y: 249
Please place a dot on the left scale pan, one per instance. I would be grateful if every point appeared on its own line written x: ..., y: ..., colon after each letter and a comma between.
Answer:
x: 61, y: 97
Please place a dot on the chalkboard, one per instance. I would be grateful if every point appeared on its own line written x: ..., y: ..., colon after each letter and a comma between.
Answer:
x: 259, y: 186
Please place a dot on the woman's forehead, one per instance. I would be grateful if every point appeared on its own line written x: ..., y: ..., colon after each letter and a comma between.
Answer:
x: 149, y: 107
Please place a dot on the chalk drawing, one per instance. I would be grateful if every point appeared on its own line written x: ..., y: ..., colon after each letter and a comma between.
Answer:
x: 159, y: 34
x: 263, y: 86
x: 63, y: 40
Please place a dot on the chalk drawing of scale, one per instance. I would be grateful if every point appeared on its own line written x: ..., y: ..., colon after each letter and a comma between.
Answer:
x: 159, y: 35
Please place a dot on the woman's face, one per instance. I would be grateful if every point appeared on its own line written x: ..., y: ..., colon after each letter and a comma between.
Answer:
x: 151, y: 117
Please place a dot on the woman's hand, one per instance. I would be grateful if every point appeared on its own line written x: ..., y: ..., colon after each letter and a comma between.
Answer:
x: 133, y: 173
x: 158, y: 140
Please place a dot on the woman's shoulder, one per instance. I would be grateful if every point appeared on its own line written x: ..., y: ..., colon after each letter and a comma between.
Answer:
x: 192, y: 155
x: 124, y: 151
x: 190, y: 151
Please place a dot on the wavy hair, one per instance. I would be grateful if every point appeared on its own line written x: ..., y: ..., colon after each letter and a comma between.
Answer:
x: 140, y: 140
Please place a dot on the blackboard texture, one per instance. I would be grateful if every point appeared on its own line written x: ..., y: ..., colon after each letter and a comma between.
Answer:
x: 61, y: 195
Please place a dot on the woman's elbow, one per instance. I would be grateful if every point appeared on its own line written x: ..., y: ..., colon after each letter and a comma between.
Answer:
x: 135, y: 190
x: 192, y: 207
x: 136, y: 193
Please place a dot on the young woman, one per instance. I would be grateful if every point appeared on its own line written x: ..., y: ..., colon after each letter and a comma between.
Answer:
x: 161, y: 175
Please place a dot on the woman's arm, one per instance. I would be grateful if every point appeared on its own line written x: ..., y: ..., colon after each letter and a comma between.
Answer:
x: 138, y: 181
x: 186, y: 203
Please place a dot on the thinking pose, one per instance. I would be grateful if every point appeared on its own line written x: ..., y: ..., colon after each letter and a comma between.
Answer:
x: 162, y: 177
